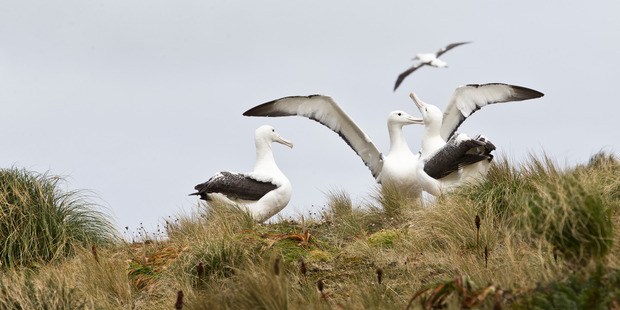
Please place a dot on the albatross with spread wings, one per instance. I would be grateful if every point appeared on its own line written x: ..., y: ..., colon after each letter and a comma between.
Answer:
x: 444, y: 165
x: 430, y: 59
x: 448, y: 159
x: 397, y: 168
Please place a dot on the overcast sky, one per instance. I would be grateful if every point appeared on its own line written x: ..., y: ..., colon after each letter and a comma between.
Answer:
x: 139, y: 101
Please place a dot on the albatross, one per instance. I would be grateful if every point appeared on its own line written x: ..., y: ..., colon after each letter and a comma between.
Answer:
x: 264, y: 191
x: 396, y: 169
x: 448, y: 159
x: 430, y: 59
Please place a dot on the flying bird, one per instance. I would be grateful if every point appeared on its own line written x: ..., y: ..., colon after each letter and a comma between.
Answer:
x: 264, y: 191
x: 431, y: 59
x: 448, y: 159
x: 397, y: 168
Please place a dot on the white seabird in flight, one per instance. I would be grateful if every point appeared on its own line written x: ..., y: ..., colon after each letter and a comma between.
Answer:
x: 397, y: 168
x: 444, y: 165
x: 264, y: 191
x: 430, y: 59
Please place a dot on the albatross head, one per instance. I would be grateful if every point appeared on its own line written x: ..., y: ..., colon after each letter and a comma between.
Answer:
x: 401, y: 118
x: 268, y: 134
x: 430, y: 113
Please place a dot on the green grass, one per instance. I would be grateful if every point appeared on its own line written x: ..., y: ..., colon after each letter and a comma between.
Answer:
x: 550, y: 234
x: 599, y: 289
x: 42, y: 222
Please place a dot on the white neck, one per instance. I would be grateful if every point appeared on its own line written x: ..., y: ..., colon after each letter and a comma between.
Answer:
x: 398, y: 143
x: 264, y: 158
x: 431, y: 138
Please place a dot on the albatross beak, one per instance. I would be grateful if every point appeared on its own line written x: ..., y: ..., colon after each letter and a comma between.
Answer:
x: 285, y: 142
x: 417, y: 100
x: 415, y: 120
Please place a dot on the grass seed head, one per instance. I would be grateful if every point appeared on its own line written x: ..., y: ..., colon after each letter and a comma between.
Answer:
x: 302, y: 266
x: 486, y: 256
x: 200, y: 269
x: 179, y: 304
x: 276, y: 266
x: 94, y: 251
x: 477, y: 222
x: 379, y: 274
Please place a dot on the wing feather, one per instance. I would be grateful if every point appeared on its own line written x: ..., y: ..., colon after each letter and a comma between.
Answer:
x: 403, y: 75
x: 470, y: 98
x: 449, y: 47
x: 456, y: 154
x: 234, y: 186
x: 326, y: 111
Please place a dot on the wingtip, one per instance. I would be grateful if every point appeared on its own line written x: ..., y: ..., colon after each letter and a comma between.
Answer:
x: 528, y: 93
x: 399, y: 81
x: 261, y: 110
x: 255, y: 110
x: 248, y: 112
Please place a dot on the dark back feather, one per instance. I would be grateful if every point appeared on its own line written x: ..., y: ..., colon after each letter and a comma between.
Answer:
x: 234, y: 186
x: 456, y: 155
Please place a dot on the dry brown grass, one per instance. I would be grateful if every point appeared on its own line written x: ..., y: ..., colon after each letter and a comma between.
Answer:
x: 429, y: 249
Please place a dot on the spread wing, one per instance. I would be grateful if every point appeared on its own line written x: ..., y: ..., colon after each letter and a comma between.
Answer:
x: 403, y: 75
x: 470, y: 98
x: 449, y: 47
x: 234, y: 186
x: 326, y: 111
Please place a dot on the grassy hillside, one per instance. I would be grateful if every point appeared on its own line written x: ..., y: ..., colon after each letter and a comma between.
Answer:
x: 533, y: 235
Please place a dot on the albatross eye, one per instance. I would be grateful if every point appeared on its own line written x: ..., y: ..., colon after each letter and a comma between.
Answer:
x: 399, y: 114
x: 273, y: 130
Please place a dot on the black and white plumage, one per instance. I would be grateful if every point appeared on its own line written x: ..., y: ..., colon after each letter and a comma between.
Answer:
x: 264, y: 192
x: 444, y: 165
x: 397, y: 168
x: 457, y: 154
x: 234, y: 186
x: 430, y: 59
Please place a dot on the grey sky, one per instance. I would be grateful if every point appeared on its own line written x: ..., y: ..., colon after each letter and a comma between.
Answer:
x: 141, y: 100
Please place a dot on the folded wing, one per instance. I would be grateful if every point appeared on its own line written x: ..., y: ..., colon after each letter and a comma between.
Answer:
x: 234, y: 186
x: 458, y: 153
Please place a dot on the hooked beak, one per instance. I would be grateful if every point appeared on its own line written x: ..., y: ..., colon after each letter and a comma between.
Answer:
x: 284, y: 141
x: 417, y: 100
x: 415, y: 120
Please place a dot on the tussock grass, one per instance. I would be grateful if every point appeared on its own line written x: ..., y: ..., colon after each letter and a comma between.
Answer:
x: 550, y: 234
x: 211, y: 220
x: 47, y: 291
x: 40, y: 221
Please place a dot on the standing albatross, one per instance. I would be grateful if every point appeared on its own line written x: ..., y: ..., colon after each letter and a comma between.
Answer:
x: 430, y: 59
x: 448, y: 159
x: 397, y: 168
x: 264, y: 191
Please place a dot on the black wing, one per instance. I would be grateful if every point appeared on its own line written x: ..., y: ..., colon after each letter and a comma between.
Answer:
x: 403, y: 75
x: 449, y: 47
x: 457, y: 154
x: 234, y: 186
